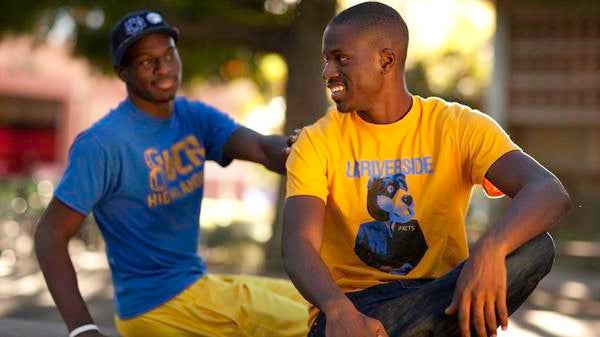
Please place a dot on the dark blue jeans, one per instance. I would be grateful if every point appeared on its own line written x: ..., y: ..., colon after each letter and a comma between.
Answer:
x: 415, y: 308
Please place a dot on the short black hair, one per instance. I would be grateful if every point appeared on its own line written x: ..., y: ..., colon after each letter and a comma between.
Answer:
x: 378, y: 18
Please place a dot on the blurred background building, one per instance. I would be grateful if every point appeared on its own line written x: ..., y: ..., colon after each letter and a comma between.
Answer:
x: 533, y: 65
x: 546, y: 91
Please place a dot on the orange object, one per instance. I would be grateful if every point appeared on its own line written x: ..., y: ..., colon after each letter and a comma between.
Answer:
x: 491, y: 190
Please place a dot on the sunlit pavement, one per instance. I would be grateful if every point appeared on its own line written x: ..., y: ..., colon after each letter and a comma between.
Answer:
x: 565, y: 305
x: 529, y: 322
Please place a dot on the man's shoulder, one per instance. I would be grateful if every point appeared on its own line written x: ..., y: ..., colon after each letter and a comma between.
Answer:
x: 330, y: 122
x: 321, y: 135
x: 107, y: 128
x: 187, y: 107
x: 439, y: 105
x: 445, y: 112
x: 455, y: 117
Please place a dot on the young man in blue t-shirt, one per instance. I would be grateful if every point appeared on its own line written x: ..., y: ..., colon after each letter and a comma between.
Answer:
x: 140, y: 170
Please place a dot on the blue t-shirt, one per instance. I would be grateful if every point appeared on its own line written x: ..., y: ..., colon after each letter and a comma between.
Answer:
x: 143, y: 179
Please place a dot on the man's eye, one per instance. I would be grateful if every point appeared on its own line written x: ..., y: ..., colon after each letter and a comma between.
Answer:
x: 145, y: 63
x: 343, y: 59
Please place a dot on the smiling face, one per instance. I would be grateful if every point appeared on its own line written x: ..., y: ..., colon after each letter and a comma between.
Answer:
x: 352, y: 69
x: 153, y: 69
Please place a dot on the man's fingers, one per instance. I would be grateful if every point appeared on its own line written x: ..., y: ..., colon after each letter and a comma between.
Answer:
x: 291, y: 139
x: 451, y: 309
x: 464, y: 312
x: 501, y: 309
x: 382, y: 333
x: 490, y: 317
x: 377, y: 327
x: 477, y: 315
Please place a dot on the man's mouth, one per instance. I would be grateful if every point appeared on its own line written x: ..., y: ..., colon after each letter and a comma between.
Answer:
x: 337, y: 90
x: 166, y: 83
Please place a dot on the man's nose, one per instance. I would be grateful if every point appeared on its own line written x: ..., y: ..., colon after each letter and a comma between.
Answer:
x: 329, y: 71
x: 162, y: 66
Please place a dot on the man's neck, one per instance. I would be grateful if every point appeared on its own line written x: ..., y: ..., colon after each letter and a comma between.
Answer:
x: 391, y: 107
x: 154, y: 109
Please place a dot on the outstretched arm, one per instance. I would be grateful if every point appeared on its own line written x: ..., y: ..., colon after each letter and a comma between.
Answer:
x: 539, y: 201
x: 270, y: 151
x: 301, y: 243
x: 56, y: 227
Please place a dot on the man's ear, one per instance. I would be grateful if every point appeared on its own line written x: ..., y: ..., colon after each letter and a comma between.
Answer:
x: 121, y: 73
x: 387, y: 60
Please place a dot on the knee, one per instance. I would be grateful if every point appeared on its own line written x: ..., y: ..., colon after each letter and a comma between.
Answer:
x: 545, y: 250
x: 536, y: 254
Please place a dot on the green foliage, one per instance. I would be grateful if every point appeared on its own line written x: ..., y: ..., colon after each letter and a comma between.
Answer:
x: 219, y: 38
x: 212, y: 31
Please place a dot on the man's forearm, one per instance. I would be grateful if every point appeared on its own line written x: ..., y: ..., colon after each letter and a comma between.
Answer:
x: 274, y: 148
x: 534, y: 209
x: 60, y: 276
x: 311, y: 277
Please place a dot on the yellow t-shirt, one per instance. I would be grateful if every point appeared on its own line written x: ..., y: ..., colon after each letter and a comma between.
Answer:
x: 396, y: 194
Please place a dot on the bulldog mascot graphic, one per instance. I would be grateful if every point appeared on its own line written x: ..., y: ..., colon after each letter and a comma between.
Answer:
x: 393, y: 242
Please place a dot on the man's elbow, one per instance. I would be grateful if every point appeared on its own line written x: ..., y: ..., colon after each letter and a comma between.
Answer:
x: 285, y: 253
x: 288, y: 263
x: 273, y: 153
x: 41, y: 239
x: 290, y: 250
x: 45, y: 238
x: 565, y: 200
x: 562, y: 198
x: 278, y: 167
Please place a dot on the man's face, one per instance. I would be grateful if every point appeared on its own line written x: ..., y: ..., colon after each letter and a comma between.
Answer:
x: 352, y: 68
x: 153, y: 68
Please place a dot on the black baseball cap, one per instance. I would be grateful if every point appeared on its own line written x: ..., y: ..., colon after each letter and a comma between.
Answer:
x: 135, y: 26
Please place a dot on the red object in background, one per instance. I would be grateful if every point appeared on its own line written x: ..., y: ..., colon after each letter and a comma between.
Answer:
x: 22, y: 148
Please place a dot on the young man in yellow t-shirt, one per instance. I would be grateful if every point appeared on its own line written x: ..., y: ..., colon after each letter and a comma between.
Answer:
x: 378, y: 189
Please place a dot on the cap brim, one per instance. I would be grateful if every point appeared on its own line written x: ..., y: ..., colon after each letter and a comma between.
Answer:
x: 118, y: 56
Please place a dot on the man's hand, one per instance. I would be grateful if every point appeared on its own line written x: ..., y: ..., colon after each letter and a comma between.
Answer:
x: 539, y: 200
x: 480, y: 295
x: 271, y: 151
x: 291, y: 139
x: 345, y: 321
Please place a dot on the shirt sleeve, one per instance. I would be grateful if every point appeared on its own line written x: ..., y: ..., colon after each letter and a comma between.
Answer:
x: 86, y: 178
x: 482, y: 142
x: 307, y: 168
x: 216, y: 128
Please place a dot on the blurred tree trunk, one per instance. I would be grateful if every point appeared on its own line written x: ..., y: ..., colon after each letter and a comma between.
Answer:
x: 305, y: 92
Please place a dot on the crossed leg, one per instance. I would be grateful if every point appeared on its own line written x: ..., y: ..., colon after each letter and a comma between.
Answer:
x: 418, y: 311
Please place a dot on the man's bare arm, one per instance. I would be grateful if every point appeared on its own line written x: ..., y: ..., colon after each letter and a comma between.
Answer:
x: 56, y: 227
x: 301, y: 244
x: 539, y: 200
x: 270, y: 151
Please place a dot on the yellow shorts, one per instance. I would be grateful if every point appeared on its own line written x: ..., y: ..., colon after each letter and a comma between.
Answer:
x: 225, y: 306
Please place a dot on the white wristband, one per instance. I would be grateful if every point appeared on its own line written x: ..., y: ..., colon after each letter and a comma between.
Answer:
x: 82, y: 329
